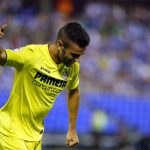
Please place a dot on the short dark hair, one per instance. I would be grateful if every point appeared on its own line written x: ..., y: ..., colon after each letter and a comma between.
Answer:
x: 74, y: 32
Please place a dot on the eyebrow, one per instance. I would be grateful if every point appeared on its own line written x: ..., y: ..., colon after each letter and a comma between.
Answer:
x: 77, y: 53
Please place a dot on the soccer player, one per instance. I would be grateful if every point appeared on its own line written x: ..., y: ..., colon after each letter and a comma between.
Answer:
x: 42, y: 71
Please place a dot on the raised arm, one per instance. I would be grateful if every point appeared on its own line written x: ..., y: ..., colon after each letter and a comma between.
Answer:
x: 73, y: 103
x: 3, y: 55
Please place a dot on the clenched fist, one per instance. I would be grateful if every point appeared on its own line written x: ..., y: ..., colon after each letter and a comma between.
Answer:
x: 72, y: 138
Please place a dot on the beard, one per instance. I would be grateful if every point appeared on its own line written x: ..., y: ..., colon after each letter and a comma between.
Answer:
x: 65, y: 60
x: 68, y: 62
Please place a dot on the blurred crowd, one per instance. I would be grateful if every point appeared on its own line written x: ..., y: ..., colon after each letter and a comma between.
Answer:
x: 118, y: 57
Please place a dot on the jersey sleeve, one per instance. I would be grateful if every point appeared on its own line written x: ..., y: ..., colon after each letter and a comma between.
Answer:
x: 74, y: 82
x: 21, y: 56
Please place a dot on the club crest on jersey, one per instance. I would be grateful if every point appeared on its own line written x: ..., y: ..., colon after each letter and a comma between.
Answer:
x: 65, y: 73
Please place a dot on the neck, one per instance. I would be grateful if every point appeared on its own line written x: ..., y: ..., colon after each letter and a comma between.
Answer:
x: 52, y: 47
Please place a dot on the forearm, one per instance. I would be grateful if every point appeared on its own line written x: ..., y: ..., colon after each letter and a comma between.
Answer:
x: 2, y: 51
x: 2, y: 56
x: 73, y: 102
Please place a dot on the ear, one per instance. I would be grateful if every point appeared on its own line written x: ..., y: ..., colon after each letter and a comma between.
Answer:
x: 59, y: 43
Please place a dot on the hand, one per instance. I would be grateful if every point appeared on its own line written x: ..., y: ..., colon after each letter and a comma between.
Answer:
x: 2, y: 30
x: 72, y: 138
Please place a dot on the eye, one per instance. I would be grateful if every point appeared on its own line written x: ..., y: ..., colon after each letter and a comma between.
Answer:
x: 75, y: 55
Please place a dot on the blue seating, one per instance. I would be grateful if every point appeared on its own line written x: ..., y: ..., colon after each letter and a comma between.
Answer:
x: 133, y: 111
x: 57, y: 120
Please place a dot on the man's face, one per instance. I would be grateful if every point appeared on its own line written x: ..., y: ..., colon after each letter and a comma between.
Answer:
x: 70, y: 54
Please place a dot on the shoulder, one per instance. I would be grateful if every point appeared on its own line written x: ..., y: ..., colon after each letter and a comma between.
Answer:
x: 75, y: 68
x: 38, y: 48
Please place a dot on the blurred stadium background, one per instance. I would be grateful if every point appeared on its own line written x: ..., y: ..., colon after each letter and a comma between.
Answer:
x: 115, y: 71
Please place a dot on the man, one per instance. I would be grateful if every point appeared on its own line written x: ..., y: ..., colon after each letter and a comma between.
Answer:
x: 41, y: 73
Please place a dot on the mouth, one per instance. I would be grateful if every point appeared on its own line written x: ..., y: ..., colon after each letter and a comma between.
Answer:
x: 69, y: 63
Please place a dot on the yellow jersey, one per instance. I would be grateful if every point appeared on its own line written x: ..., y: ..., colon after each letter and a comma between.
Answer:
x: 38, y: 80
